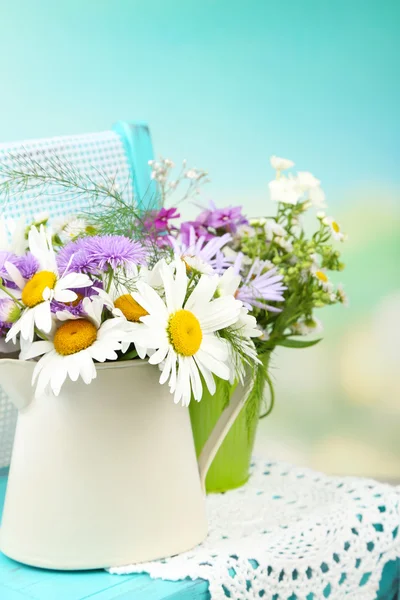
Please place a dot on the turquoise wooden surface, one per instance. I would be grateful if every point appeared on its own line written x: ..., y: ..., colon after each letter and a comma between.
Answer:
x: 19, y: 582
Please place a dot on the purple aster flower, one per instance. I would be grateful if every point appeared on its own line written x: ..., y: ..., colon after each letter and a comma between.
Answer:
x: 113, y: 251
x: 28, y: 265
x: 160, y: 220
x: 261, y: 284
x: 74, y: 258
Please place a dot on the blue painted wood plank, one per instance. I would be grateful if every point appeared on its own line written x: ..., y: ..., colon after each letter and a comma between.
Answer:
x: 146, y: 588
x: 21, y: 582
x: 8, y: 594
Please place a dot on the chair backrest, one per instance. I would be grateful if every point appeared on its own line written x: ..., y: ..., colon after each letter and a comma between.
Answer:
x: 121, y: 154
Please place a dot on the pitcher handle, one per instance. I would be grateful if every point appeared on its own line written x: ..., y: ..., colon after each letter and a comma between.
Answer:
x: 222, y: 428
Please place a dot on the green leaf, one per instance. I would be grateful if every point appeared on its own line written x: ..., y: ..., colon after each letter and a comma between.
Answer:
x: 290, y: 343
x: 129, y: 355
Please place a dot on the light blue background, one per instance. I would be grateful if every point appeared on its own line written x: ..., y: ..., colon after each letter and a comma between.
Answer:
x: 226, y: 84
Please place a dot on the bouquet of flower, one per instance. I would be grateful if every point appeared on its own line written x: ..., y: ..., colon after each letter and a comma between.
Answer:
x: 104, y: 298
x: 205, y: 299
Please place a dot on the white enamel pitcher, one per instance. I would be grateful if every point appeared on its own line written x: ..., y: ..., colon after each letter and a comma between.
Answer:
x: 104, y: 474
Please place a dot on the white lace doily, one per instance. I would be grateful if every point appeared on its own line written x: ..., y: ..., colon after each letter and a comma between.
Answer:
x: 292, y: 531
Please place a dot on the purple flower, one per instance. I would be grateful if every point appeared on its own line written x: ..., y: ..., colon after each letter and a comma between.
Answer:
x: 228, y: 218
x: 28, y: 265
x: 113, y: 251
x: 199, y: 229
x: 160, y: 220
x: 260, y: 285
x: 98, y: 253
x: 74, y: 258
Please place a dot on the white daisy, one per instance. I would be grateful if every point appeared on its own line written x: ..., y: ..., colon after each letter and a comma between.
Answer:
x: 121, y: 303
x: 335, y: 230
x: 74, y: 346
x: 46, y: 285
x: 183, y: 331
x: 322, y: 278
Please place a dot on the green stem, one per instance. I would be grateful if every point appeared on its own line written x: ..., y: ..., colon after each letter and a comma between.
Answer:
x: 7, y: 291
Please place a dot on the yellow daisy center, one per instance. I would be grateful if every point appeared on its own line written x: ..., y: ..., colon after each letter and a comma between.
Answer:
x: 184, y: 332
x: 321, y: 276
x: 32, y: 294
x: 74, y: 336
x: 335, y: 227
x: 130, y: 308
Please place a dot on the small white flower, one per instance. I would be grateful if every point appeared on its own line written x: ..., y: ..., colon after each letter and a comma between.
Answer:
x: 281, y: 164
x: 169, y: 163
x: 284, y: 190
x: 322, y: 278
x: 272, y: 228
x: 306, y: 180
x: 192, y: 174
x: 284, y: 243
x: 245, y: 231
x: 307, y: 183
x: 196, y: 263
x: 307, y: 327
x: 341, y: 295
x: 336, y: 233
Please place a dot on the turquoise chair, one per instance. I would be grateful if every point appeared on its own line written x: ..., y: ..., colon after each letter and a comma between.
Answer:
x: 122, y: 153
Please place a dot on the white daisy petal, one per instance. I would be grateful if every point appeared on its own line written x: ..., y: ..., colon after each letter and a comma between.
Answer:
x: 215, y: 366
x: 15, y: 275
x: 207, y: 376
x: 202, y: 293
x: 42, y: 316
x: 35, y: 349
x: 166, y: 369
x: 65, y: 296
x: 159, y: 355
